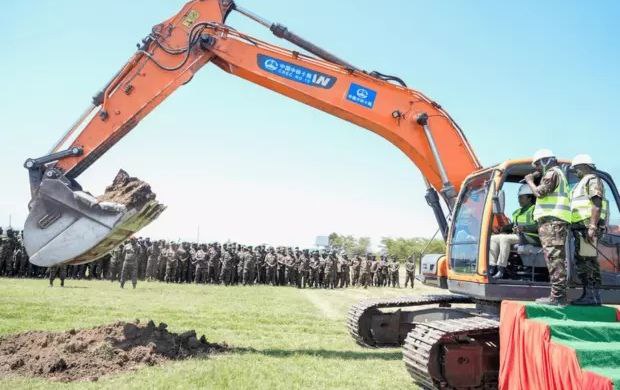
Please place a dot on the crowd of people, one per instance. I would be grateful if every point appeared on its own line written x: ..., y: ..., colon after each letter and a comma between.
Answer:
x: 215, y: 263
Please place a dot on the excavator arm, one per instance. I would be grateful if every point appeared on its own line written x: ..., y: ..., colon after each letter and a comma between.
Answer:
x: 168, y: 58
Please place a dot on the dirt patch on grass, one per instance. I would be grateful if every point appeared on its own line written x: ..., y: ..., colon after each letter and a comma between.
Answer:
x: 88, y: 354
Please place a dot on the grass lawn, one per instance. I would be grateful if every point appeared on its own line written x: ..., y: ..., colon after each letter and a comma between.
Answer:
x: 287, y: 338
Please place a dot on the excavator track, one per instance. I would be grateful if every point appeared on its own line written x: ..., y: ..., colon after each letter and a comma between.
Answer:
x: 359, y: 318
x: 453, y: 354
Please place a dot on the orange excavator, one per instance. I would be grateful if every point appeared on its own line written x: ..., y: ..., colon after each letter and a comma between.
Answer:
x: 451, y: 340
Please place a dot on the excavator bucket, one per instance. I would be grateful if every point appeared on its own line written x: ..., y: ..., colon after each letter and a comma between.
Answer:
x: 66, y: 226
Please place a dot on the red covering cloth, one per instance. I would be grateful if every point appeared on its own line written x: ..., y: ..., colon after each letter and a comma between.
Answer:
x: 529, y: 360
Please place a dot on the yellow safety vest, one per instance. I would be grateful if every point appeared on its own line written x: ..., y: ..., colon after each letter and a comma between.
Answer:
x: 581, y: 204
x: 525, y: 217
x: 557, y: 203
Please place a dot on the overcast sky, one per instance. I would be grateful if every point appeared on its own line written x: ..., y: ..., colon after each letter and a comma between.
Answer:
x: 247, y: 164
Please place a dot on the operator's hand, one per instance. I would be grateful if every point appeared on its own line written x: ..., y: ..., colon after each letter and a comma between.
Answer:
x: 529, y: 178
x: 591, y: 236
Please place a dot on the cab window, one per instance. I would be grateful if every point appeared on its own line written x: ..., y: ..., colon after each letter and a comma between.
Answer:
x: 467, y: 224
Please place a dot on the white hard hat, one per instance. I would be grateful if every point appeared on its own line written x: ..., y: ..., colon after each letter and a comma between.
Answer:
x: 582, y: 159
x: 525, y: 190
x: 542, y: 153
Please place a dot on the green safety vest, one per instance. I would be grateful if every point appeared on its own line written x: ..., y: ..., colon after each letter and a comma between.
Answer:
x: 557, y: 203
x: 525, y: 217
x: 581, y: 204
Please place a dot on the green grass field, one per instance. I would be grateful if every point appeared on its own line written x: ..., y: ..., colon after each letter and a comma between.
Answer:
x: 286, y: 338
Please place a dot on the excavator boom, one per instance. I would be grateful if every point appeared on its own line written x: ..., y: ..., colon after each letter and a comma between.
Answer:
x: 168, y: 58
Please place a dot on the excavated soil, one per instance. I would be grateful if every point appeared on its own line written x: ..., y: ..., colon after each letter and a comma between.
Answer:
x: 127, y: 190
x: 88, y: 354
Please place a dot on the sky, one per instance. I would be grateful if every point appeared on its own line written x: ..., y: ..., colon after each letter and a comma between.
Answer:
x: 235, y: 161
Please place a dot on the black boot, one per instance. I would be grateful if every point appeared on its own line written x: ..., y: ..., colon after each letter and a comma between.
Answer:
x: 500, y: 272
x: 588, y: 298
x: 596, y: 292
x: 584, y: 283
x: 492, y: 270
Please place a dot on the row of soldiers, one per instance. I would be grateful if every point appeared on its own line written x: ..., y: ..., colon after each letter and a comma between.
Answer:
x: 227, y: 264
x: 232, y: 263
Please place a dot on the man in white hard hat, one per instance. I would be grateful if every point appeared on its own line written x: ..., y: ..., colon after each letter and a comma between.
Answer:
x: 522, y: 223
x: 589, y: 210
x: 553, y: 215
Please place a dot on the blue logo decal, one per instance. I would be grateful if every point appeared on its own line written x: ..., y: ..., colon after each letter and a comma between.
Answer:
x: 361, y: 95
x: 296, y: 73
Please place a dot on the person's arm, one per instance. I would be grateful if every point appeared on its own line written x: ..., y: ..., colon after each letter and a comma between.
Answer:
x: 596, y: 194
x: 547, y: 184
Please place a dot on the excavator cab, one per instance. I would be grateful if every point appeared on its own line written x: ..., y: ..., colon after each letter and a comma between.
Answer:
x: 486, y: 198
x: 452, y: 340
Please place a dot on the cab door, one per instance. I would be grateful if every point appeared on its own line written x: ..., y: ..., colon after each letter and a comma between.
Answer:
x: 609, y: 245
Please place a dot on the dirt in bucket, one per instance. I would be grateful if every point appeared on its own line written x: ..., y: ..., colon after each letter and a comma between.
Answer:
x: 128, y: 190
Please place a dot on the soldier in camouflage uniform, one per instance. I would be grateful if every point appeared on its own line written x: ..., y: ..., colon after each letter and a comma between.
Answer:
x: 59, y: 271
x: 191, y: 268
x: 314, y: 270
x: 116, y: 262
x: 375, y: 272
x: 214, y: 259
x: 410, y: 271
x: 280, y: 266
x: 19, y: 260
x: 366, y: 271
x: 552, y: 212
x: 261, y: 276
x: 6, y: 253
x: 142, y: 246
x: 271, y: 262
x: 226, y: 261
x: 355, y: 270
x: 589, y: 210
x: 385, y: 272
x: 322, y: 264
x: 330, y: 270
x: 170, y: 255
x: 182, y: 256
x: 345, y: 271
x: 249, y: 266
x: 98, y: 267
x: 152, y: 254
x: 394, y: 270
x: 131, y: 251
x: 238, y: 264
x: 200, y: 259
x: 303, y: 269
x: 289, y: 267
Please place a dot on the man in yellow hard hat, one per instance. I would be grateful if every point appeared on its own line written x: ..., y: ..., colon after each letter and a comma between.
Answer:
x: 553, y: 215
x: 589, y: 210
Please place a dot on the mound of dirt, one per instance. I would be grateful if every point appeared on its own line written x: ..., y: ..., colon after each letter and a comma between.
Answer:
x: 127, y: 190
x: 88, y: 354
